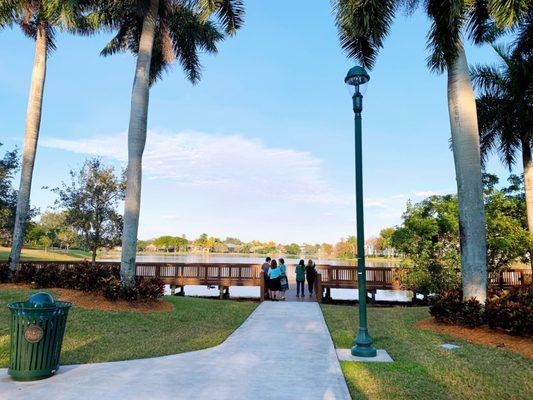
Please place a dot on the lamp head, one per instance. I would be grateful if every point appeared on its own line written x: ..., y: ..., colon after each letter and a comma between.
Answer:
x: 357, y: 79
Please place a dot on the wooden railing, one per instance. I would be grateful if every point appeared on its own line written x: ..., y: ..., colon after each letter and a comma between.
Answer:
x: 386, y: 278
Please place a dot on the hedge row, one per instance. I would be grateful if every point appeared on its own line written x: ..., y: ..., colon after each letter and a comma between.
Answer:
x: 84, y: 276
x: 511, y: 310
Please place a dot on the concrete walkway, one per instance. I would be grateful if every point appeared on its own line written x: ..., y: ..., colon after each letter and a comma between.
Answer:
x: 282, y: 351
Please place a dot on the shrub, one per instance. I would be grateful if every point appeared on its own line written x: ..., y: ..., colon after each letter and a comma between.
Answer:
x: 471, y: 314
x: 111, y: 288
x: 450, y: 308
x: 4, y: 273
x: 511, y: 310
x: 149, y: 288
x: 143, y: 290
x: 47, y: 277
x: 25, y: 273
x: 445, y: 307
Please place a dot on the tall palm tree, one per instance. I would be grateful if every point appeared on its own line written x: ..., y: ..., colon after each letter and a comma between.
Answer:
x: 39, y: 20
x: 158, y: 32
x: 505, y: 113
x: 363, y: 26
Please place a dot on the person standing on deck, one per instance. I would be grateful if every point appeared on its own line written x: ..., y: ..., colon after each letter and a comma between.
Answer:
x: 310, y: 274
x: 274, y: 280
x: 300, y: 278
x: 284, y: 279
x: 265, y: 267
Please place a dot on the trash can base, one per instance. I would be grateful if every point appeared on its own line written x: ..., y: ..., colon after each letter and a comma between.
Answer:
x: 32, y: 375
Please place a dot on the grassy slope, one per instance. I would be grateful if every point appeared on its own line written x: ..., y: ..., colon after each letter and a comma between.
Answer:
x: 97, y: 336
x: 423, y: 370
x: 38, y: 254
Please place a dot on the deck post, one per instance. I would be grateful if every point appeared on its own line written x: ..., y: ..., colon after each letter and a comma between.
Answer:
x: 262, y: 291
x: 318, y: 288
x: 182, y: 291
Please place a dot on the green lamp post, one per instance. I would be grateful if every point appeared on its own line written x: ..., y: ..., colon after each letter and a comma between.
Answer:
x: 356, y: 79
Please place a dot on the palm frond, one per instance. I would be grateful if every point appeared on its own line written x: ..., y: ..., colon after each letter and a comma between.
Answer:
x: 488, y: 79
x: 448, y: 17
x: 230, y: 13
x: 363, y: 26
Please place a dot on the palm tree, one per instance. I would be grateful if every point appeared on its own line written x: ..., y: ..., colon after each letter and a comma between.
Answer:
x: 363, y: 26
x: 505, y: 113
x: 39, y: 20
x: 157, y: 32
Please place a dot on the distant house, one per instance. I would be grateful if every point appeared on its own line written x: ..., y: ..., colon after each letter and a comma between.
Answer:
x: 232, y: 248
x: 151, y: 247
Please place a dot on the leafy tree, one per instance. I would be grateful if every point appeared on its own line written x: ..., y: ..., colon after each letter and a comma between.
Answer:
x: 39, y: 20
x: 158, y: 32
x: 327, y: 249
x: 201, y: 241
x: 90, y: 203
x: 507, y: 236
x: 311, y: 249
x: 363, y: 26
x: 9, y: 164
x: 54, y: 225
x: 292, y: 249
x: 384, y: 242
x: 164, y: 242
x: 143, y: 244
x: 34, y: 233
x: 429, y: 237
x: 505, y: 112
x: 346, y: 248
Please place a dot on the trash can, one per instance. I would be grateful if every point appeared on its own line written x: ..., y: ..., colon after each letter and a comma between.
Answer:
x: 37, y: 329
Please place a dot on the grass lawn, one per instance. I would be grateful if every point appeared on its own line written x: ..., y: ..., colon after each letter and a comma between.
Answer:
x: 96, y: 336
x: 423, y: 370
x: 51, y: 255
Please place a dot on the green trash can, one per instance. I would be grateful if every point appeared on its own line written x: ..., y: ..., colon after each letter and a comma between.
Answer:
x: 37, y: 329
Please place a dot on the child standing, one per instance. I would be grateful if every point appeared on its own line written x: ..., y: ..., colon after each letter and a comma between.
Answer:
x: 300, y: 278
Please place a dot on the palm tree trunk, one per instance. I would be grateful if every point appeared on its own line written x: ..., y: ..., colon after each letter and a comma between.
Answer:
x: 136, y: 141
x: 528, y: 186
x: 31, y: 136
x: 466, y: 152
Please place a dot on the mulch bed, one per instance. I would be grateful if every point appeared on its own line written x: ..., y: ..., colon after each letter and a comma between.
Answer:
x: 481, y: 335
x: 95, y: 301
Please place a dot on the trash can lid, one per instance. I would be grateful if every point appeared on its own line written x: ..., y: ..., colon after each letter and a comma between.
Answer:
x: 41, y: 299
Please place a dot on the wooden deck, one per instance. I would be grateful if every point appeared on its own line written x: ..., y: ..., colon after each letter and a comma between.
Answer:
x: 179, y: 275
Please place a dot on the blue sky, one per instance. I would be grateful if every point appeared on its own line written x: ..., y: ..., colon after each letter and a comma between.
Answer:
x: 262, y: 147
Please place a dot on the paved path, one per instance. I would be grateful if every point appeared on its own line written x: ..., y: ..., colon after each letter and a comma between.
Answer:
x: 282, y: 351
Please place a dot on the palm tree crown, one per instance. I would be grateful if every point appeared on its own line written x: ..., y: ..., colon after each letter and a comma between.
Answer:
x: 48, y: 15
x: 183, y: 29
x: 505, y: 104
x: 364, y: 25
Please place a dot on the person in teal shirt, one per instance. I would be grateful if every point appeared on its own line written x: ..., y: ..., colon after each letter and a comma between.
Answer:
x: 300, y: 278
x: 284, y: 281
x: 274, y: 280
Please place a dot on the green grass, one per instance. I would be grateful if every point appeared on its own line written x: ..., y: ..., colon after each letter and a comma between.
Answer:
x: 422, y: 369
x: 50, y: 255
x: 97, y: 336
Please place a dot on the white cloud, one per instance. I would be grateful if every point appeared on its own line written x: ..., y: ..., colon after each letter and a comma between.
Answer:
x: 401, y: 196
x: 428, y: 193
x: 224, y: 164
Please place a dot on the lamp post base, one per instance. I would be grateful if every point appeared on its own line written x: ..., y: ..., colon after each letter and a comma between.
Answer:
x: 363, y: 345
